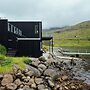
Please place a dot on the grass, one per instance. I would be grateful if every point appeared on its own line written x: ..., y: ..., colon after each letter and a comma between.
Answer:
x: 19, y: 61
x: 75, y: 43
x: 77, y: 35
x: 78, y: 38
x: 81, y: 33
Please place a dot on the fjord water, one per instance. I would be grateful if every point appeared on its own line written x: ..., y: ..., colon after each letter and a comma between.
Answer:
x: 80, y: 50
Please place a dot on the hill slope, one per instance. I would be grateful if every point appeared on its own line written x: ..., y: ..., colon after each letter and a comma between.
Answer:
x: 76, y: 35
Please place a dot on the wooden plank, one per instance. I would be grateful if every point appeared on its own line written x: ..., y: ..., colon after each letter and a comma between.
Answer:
x: 69, y: 58
x: 74, y: 53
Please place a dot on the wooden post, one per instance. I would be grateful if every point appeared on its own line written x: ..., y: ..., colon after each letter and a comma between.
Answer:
x: 49, y: 46
x: 52, y: 44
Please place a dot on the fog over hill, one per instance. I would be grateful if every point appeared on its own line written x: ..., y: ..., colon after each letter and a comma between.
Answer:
x: 81, y: 25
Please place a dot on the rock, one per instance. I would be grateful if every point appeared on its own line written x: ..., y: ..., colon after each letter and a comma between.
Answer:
x: 61, y: 88
x: 50, y: 72
x: 41, y: 71
x: 57, y: 87
x: 35, y: 62
x: 31, y: 81
x: 48, y: 78
x: 42, y: 58
x: 38, y: 80
x: 28, y: 77
x: 31, y: 89
x: 18, y: 82
x: 29, y: 73
x: 15, y: 68
x: 1, y: 76
x: 42, y: 66
x: 33, y: 85
x: 41, y: 87
x: 72, y: 62
x: 7, y: 79
x: 64, y: 78
x: 26, y: 70
x: 66, y: 88
x: 23, y: 78
x: 73, y: 87
x: 20, y: 89
x: 21, y: 86
x: 26, y: 87
x: 51, y: 84
x: 11, y: 86
x: 19, y: 74
x: 2, y: 88
x: 49, y: 61
x: 35, y: 71
x: 26, y: 80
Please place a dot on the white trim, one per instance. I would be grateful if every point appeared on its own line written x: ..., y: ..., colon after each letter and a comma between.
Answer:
x: 28, y: 38
x: 8, y: 27
x: 40, y: 29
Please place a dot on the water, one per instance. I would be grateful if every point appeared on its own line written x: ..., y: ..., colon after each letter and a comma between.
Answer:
x: 81, y: 50
x: 82, y: 68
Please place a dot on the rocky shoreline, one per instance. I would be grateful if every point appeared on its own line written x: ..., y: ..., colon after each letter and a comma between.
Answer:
x: 44, y: 74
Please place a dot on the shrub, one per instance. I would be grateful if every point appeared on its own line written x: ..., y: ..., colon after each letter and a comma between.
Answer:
x: 4, y: 61
x: 3, y: 50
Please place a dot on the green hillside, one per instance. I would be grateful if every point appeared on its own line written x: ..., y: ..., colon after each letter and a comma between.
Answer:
x: 76, y: 35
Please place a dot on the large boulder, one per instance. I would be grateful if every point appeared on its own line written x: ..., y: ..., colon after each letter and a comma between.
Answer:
x: 29, y: 73
x: 18, y: 82
x: 35, y: 62
x: 41, y: 87
x: 11, y: 86
x: 26, y: 88
x: 42, y: 58
x: 38, y: 80
x: 51, y: 83
x: 65, y: 77
x: 50, y: 72
x: 42, y: 66
x: 35, y: 71
x: 7, y: 79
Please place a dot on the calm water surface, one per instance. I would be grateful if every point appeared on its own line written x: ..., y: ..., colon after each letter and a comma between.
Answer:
x: 82, y: 50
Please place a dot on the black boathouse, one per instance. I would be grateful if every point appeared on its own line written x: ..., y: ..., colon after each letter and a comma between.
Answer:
x: 24, y: 38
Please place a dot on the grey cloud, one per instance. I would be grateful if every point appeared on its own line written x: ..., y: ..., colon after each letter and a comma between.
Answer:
x: 51, y: 12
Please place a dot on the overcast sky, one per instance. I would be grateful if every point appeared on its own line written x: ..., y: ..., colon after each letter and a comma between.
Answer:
x: 53, y: 13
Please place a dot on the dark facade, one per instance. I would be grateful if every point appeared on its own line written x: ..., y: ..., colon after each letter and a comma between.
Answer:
x: 22, y: 36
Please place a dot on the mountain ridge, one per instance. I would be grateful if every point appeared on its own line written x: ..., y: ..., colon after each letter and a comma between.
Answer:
x: 81, y: 25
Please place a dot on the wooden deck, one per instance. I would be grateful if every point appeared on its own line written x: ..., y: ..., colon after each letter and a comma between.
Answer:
x: 75, y: 53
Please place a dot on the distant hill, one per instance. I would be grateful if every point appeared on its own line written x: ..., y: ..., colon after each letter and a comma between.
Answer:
x: 53, y: 29
x: 75, y: 35
x: 81, y: 30
x: 82, y: 25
